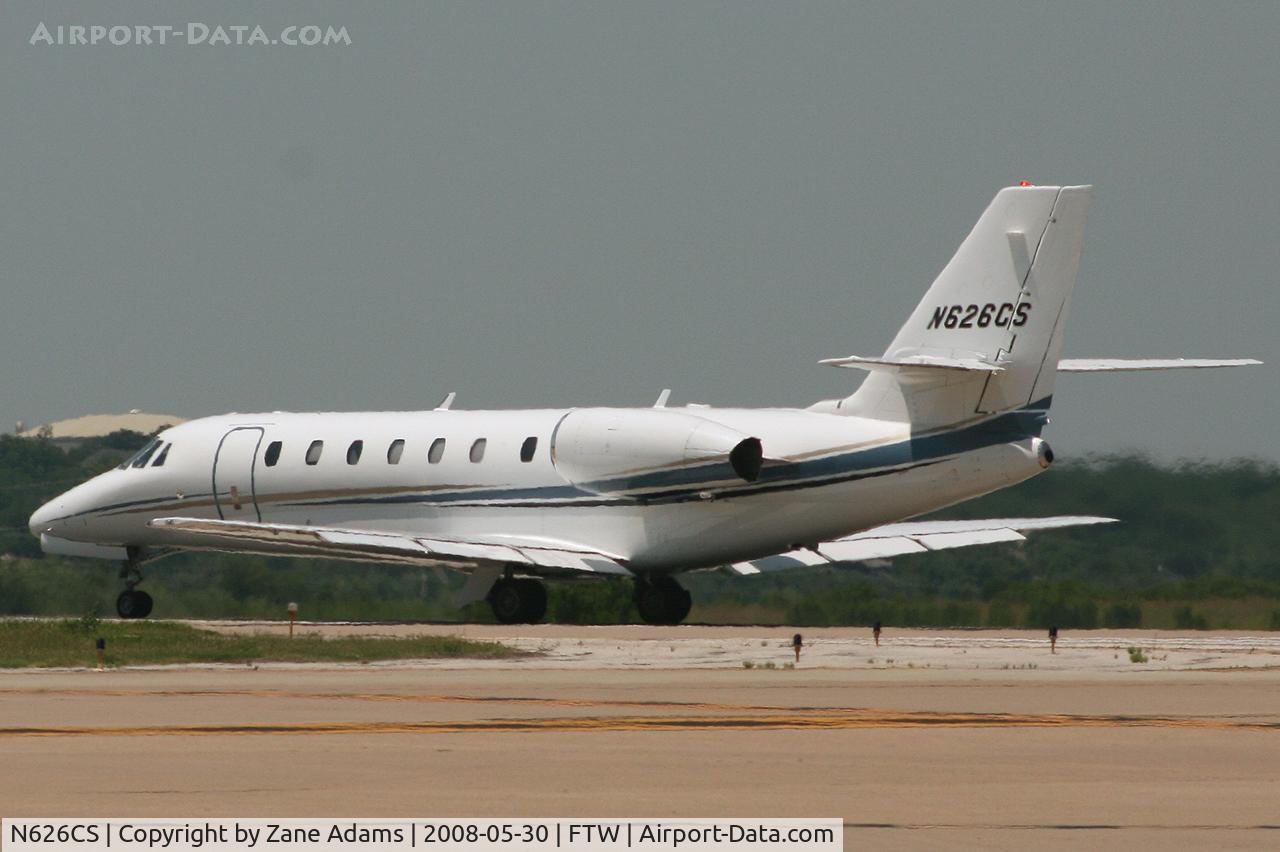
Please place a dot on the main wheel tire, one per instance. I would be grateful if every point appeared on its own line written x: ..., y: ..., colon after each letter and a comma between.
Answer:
x: 650, y: 603
x: 507, y: 602
x: 662, y: 601
x: 522, y: 601
x: 681, y: 604
x: 534, y: 596
x: 133, y: 604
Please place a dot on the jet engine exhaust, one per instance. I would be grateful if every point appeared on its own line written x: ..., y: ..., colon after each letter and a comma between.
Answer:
x: 747, y: 458
x: 1044, y: 453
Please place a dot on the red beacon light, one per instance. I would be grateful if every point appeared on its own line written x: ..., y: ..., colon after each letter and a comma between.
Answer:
x: 1024, y: 183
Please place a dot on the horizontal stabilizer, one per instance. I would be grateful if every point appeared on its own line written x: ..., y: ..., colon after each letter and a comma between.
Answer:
x: 528, y: 555
x: 912, y: 537
x: 914, y: 362
x: 1135, y: 365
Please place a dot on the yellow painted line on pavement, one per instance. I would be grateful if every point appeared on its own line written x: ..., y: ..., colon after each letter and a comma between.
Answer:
x: 392, y: 697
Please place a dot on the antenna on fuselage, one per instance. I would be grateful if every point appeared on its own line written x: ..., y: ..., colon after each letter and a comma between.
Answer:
x: 447, y: 402
x: 662, y: 398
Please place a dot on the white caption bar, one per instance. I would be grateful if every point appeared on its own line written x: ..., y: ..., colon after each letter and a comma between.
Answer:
x: 388, y: 835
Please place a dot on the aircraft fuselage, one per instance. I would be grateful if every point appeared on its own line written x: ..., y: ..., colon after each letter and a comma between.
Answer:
x: 821, y: 476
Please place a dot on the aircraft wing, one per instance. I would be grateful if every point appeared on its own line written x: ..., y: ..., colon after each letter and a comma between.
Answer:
x: 911, y: 537
x: 539, y: 556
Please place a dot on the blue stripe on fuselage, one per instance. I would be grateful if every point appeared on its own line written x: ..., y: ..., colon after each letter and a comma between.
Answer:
x: 680, y: 484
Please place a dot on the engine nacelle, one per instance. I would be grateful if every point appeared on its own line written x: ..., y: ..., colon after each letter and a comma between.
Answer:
x: 610, y: 450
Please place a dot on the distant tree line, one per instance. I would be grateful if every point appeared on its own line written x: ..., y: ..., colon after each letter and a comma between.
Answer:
x: 1197, y: 547
x: 33, y: 470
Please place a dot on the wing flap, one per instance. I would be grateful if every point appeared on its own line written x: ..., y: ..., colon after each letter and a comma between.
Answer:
x: 869, y: 548
x: 470, y: 551
x: 780, y: 562
x: 359, y: 540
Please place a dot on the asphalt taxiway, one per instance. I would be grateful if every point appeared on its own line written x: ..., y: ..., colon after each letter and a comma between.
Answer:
x: 934, y: 739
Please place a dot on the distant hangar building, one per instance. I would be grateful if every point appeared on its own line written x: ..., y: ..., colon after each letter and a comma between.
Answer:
x: 100, y: 425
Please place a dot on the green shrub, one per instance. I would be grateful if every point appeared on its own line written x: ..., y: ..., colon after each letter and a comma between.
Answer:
x: 1123, y: 615
x: 1185, y: 618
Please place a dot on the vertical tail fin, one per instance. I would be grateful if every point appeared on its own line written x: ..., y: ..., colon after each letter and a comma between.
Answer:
x: 995, y: 314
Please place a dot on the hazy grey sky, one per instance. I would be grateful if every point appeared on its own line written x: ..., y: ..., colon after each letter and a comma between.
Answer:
x: 574, y: 204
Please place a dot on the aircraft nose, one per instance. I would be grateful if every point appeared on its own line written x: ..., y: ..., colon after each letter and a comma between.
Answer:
x: 42, y: 518
x: 67, y: 515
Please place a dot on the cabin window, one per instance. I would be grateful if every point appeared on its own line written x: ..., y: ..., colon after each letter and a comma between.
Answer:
x: 477, y: 450
x: 354, y: 451
x: 395, y: 451
x: 141, y: 459
x: 313, y: 451
x: 436, y: 452
x: 272, y: 455
x: 164, y: 454
x: 528, y: 448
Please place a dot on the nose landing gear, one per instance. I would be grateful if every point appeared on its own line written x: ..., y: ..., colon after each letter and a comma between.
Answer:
x: 132, y: 603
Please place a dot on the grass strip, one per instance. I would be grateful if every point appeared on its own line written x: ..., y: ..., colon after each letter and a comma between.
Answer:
x: 27, y: 644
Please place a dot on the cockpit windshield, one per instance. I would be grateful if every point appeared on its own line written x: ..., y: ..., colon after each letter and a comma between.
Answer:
x: 140, y: 458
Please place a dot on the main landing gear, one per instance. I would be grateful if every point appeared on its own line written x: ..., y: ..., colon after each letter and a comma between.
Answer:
x: 661, y: 600
x: 132, y: 603
x: 518, y: 600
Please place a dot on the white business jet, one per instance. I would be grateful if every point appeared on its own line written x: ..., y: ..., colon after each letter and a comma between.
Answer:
x: 953, y: 409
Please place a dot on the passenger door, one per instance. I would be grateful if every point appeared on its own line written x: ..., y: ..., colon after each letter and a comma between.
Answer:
x: 233, y: 467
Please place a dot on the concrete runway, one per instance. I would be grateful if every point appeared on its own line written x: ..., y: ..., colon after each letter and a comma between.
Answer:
x: 936, y: 739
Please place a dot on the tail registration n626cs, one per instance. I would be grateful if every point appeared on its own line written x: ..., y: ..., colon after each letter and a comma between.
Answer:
x: 981, y: 316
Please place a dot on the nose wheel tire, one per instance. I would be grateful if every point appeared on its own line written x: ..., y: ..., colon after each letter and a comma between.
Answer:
x: 662, y: 601
x: 518, y: 601
x: 133, y: 604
